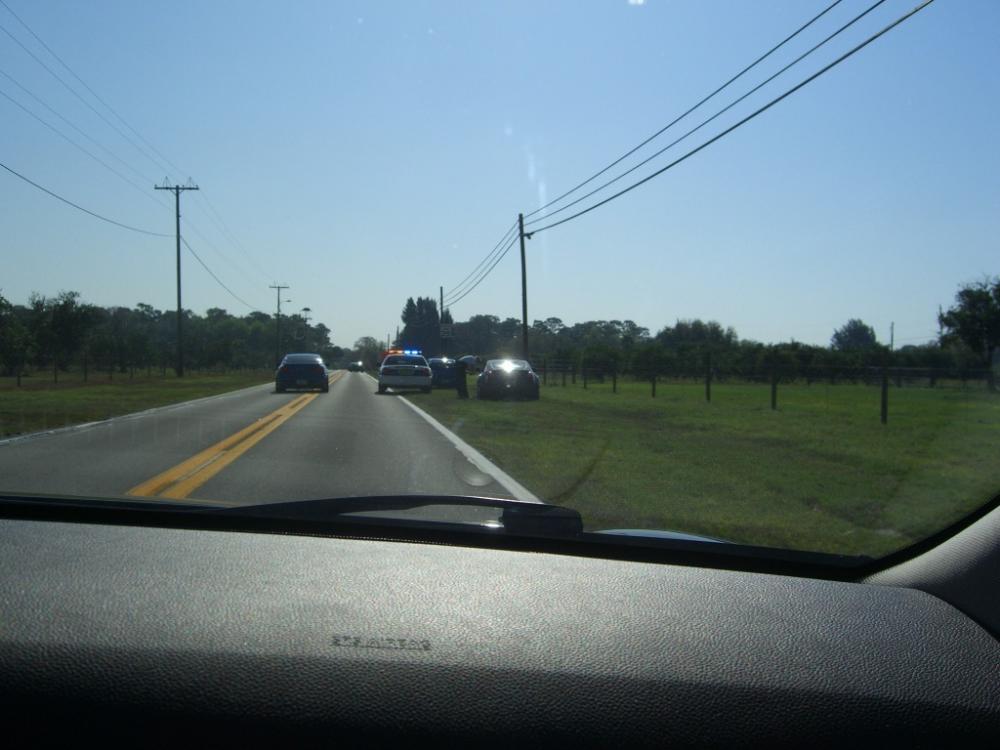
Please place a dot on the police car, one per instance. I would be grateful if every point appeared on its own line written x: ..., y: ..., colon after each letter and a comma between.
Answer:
x: 405, y: 369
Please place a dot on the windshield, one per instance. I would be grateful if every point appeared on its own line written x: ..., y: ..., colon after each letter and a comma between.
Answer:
x: 749, y: 250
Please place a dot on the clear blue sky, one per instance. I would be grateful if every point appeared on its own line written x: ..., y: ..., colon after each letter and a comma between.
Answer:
x: 363, y: 152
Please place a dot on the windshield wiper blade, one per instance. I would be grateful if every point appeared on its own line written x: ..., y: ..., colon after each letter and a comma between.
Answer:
x: 515, y: 516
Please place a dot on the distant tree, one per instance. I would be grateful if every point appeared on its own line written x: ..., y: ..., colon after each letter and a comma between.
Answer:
x: 15, y: 340
x: 368, y: 349
x: 688, y: 342
x: 975, y: 321
x: 421, y: 325
x: 854, y: 336
x: 649, y: 361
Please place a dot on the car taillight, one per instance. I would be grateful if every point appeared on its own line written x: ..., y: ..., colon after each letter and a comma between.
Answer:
x: 282, y: 369
x: 424, y: 370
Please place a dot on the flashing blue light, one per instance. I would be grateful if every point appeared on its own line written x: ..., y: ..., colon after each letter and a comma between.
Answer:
x: 414, y: 352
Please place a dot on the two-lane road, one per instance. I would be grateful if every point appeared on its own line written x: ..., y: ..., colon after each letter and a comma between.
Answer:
x: 254, y: 446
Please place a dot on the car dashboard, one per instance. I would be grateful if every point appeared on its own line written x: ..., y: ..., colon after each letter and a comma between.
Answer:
x: 133, y: 633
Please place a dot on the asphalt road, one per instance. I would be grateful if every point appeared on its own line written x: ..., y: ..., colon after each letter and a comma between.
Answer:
x: 256, y: 446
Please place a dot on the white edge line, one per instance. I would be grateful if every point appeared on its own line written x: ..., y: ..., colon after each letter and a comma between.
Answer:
x: 122, y: 417
x: 515, y: 488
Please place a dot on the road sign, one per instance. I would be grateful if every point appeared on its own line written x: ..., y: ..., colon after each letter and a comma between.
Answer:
x: 446, y: 332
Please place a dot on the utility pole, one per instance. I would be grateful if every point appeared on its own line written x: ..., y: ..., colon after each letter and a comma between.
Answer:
x: 177, y: 190
x: 441, y: 321
x: 305, y: 331
x: 892, y: 336
x: 277, y: 324
x: 524, y: 290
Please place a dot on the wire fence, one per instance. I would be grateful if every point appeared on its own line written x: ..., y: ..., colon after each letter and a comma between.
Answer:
x: 561, y: 373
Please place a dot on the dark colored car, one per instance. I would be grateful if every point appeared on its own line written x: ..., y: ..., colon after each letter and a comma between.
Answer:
x: 356, y: 367
x: 301, y: 371
x: 445, y: 372
x: 507, y: 377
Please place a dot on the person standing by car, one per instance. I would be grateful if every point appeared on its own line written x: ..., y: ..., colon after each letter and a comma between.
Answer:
x: 461, y: 385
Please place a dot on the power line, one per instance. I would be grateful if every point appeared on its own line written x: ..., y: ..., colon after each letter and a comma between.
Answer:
x: 483, y: 261
x: 81, y: 208
x: 677, y: 119
x: 164, y: 161
x: 486, y: 273
x: 218, y: 251
x: 217, y: 279
x: 75, y: 93
x: 216, y: 218
x: 93, y: 93
x: 106, y: 150
x: 745, y: 120
x: 722, y: 111
x: 73, y: 143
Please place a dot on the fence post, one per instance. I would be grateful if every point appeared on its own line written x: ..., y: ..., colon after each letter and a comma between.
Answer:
x: 708, y: 376
x: 573, y: 374
x: 885, y: 394
x: 564, y: 375
x: 545, y: 370
x: 614, y: 381
x: 583, y: 371
x: 774, y: 390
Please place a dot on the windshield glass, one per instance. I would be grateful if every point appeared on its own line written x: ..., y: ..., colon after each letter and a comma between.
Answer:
x: 749, y: 250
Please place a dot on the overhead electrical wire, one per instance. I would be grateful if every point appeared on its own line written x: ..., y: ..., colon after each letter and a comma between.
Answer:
x: 483, y: 262
x: 487, y: 272
x: 75, y: 93
x: 705, y: 122
x: 457, y: 293
x: 217, y: 279
x: 73, y: 143
x: 93, y: 93
x: 81, y: 208
x: 217, y: 250
x: 130, y: 228
x: 677, y: 119
x: 164, y: 162
x: 73, y: 125
x: 741, y: 122
x: 220, y: 223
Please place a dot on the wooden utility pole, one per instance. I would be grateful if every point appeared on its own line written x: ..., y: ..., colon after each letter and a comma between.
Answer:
x: 177, y: 190
x: 277, y: 324
x: 524, y: 290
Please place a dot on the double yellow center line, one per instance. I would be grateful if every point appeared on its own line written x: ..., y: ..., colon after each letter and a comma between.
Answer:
x: 181, y: 480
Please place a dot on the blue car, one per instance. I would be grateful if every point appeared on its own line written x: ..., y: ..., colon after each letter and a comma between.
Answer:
x: 301, y: 371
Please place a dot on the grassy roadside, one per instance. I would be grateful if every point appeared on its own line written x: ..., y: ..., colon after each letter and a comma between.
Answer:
x: 820, y: 473
x: 40, y: 404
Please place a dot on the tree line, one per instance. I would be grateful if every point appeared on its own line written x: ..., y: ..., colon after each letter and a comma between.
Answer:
x: 58, y: 333
x: 965, y: 348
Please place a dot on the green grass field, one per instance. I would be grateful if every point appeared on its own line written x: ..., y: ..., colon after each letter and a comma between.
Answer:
x: 40, y: 404
x: 820, y: 473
